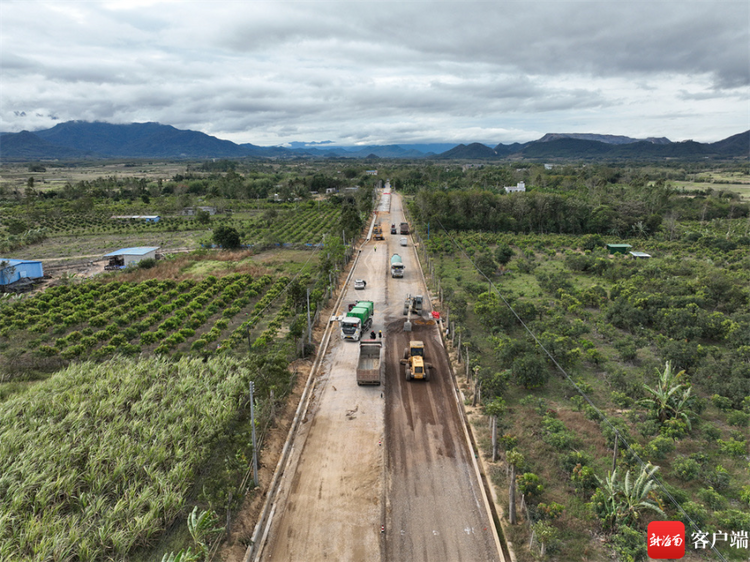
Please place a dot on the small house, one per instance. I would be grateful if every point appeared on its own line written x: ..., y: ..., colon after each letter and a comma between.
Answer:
x: 23, y: 271
x: 126, y: 256
x: 520, y: 187
x: 618, y: 248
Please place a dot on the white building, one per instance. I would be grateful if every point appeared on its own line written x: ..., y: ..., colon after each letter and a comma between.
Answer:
x: 518, y: 188
x: 125, y: 256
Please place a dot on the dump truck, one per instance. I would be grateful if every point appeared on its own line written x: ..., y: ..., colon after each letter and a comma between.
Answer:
x: 357, y: 321
x: 370, y: 367
x: 404, y: 228
x: 377, y: 232
x: 414, y: 364
x: 397, y: 266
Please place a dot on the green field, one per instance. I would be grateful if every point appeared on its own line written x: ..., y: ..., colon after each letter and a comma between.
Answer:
x: 157, y: 357
x: 611, y: 323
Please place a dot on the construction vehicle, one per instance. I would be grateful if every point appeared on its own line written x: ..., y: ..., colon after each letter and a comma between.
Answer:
x: 377, y: 232
x: 404, y: 228
x: 414, y: 364
x: 370, y: 367
x: 413, y: 304
x: 397, y: 266
x: 357, y: 321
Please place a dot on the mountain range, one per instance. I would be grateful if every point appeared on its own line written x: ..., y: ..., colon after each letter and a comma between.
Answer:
x: 77, y: 140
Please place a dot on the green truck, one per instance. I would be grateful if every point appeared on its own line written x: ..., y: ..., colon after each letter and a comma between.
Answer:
x: 357, y: 320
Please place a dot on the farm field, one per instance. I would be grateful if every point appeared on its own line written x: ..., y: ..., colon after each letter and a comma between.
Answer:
x: 144, y: 337
x: 574, y: 297
x: 56, y: 176
x: 125, y: 347
x: 72, y: 235
x: 625, y: 331
x: 111, y: 446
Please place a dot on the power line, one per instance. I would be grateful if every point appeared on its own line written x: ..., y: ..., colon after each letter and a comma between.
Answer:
x: 581, y: 392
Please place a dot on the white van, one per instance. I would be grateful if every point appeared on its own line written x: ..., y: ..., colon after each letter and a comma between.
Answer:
x: 403, y: 242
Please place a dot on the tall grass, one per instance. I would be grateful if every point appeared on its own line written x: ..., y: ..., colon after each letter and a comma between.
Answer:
x: 97, y: 460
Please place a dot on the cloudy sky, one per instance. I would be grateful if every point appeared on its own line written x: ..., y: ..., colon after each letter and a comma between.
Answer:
x: 378, y: 72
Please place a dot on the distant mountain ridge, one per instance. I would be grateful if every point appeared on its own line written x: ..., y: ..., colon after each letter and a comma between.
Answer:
x: 607, y: 139
x: 76, y: 140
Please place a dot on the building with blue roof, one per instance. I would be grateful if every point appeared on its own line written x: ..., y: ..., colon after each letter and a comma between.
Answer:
x: 13, y: 271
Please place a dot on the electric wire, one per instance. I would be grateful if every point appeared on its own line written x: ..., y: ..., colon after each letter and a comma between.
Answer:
x: 581, y: 392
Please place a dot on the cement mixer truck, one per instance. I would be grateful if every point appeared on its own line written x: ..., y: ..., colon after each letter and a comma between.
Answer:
x: 397, y: 266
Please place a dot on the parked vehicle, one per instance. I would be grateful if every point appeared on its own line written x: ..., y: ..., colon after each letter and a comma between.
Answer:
x: 397, y: 266
x: 370, y: 367
x: 357, y: 321
x: 377, y: 232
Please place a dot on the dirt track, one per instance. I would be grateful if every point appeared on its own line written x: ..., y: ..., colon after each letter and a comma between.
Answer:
x: 392, y: 456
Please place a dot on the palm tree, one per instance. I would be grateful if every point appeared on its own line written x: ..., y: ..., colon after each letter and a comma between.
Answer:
x: 670, y: 398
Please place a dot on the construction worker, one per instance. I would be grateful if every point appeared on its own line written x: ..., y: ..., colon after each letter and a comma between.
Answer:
x: 380, y: 334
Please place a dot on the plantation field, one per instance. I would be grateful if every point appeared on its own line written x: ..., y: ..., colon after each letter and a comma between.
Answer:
x: 199, y: 314
x: 99, y: 459
x: 612, y: 323
x: 133, y: 452
x: 741, y: 188
x: 17, y: 175
x: 59, y: 234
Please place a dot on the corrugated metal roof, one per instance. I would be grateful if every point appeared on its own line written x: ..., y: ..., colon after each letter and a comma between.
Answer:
x: 13, y: 263
x: 640, y: 255
x: 137, y: 251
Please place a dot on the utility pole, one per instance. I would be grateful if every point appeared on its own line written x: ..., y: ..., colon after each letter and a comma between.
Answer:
x: 255, y: 445
x: 309, y: 326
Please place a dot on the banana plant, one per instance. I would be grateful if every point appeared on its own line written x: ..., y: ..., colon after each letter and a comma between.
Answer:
x: 670, y: 398
x: 621, y: 502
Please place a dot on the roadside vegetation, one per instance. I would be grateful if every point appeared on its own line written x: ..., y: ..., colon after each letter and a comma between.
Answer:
x: 125, y: 429
x: 124, y: 414
x: 647, y: 356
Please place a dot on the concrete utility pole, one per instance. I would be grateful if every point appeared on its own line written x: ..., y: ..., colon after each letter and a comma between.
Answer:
x: 309, y: 325
x: 255, y: 445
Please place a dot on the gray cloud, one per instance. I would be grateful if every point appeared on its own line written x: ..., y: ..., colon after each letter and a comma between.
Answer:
x: 271, y: 73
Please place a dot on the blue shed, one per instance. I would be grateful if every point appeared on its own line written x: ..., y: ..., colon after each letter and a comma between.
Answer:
x: 13, y: 270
